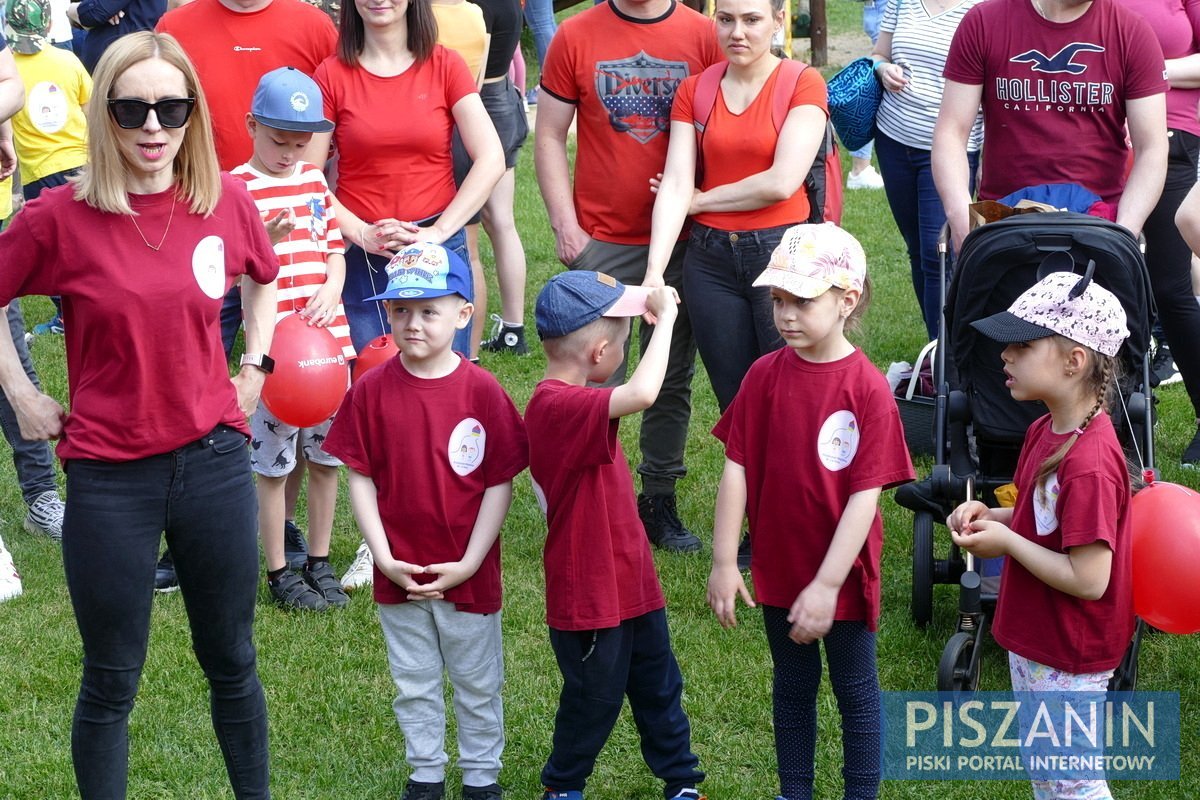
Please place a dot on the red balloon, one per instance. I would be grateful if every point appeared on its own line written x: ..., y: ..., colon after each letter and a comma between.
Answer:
x: 310, y: 376
x: 377, y: 351
x: 1166, y: 557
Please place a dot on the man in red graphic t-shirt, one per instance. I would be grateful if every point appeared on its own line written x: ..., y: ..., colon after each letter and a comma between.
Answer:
x: 1060, y: 82
x: 613, y: 70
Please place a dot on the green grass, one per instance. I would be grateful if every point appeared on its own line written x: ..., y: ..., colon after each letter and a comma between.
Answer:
x: 328, y: 688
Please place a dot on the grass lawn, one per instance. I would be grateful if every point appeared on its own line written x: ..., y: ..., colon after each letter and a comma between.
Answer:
x: 329, y: 692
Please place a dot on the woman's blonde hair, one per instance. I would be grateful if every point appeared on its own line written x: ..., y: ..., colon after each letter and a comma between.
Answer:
x: 102, y: 183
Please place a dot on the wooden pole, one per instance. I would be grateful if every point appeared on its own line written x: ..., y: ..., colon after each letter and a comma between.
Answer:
x: 820, y: 33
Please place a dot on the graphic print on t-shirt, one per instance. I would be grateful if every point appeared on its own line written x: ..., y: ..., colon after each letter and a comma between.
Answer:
x: 1044, y: 94
x: 466, y: 446
x: 47, y: 107
x: 638, y: 92
x: 208, y: 265
x: 1045, y: 506
x: 837, y: 441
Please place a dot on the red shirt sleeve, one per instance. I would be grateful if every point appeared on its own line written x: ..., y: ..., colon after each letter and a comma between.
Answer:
x: 1146, y: 68
x: 964, y: 63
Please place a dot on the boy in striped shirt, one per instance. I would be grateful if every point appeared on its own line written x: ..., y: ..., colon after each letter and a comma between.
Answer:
x: 298, y: 211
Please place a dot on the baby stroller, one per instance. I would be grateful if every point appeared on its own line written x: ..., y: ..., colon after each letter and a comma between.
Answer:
x: 979, y: 428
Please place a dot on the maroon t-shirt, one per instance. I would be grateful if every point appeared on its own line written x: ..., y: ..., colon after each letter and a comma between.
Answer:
x: 599, y: 569
x: 1086, y: 501
x: 432, y: 446
x: 145, y: 368
x: 1054, y: 93
x: 809, y: 436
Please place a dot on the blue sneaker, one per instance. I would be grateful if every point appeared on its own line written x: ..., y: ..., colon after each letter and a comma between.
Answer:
x: 55, y: 325
x: 571, y: 794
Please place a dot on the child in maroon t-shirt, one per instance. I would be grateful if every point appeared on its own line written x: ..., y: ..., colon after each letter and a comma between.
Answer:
x: 811, y: 439
x: 605, y: 608
x: 1065, y: 609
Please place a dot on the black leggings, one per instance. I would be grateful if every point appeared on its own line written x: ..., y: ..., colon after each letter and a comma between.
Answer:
x: 850, y: 650
x: 1170, y: 263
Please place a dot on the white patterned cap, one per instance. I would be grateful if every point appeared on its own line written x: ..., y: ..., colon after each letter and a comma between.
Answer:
x: 1091, y: 316
x: 812, y: 259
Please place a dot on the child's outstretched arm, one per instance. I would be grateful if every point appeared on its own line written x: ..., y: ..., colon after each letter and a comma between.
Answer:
x: 493, y: 509
x: 812, y: 612
x: 364, y: 501
x: 725, y: 582
x: 641, y: 390
x: 1081, y: 572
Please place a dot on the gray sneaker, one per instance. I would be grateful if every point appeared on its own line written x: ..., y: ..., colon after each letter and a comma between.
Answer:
x: 45, y: 515
x: 291, y: 592
x: 321, y: 578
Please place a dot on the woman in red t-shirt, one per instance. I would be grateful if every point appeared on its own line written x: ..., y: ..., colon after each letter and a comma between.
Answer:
x: 142, y: 246
x: 751, y: 191
x: 395, y: 96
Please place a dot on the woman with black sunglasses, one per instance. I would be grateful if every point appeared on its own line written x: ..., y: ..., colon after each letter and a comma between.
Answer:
x: 142, y: 246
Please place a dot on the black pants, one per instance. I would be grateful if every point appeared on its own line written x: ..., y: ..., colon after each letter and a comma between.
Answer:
x: 600, y: 668
x: 1170, y: 263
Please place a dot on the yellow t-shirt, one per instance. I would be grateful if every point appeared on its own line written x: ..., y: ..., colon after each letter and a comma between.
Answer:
x: 461, y: 29
x: 6, y: 200
x: 50, y: 133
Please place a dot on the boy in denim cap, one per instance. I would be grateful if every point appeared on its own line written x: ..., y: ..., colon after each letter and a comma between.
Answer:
x: 604, y: 605
x: 433, y: 443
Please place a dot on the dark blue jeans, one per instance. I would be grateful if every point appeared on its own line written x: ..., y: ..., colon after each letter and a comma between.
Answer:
x: 202, y: 496
x: 908, y: 181
x: 732, y: 321
x: 850, y: 650
x: 33, y: 460
x: 600, y: 668
x: 366, y: 276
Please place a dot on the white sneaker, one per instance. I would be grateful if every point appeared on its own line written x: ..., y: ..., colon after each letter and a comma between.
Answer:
x: 10, y: 579
x: 45, y: 517
x: 362, y: 570
x: 867, y: 179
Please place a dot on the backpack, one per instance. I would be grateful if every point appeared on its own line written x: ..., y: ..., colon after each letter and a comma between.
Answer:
x: 823, y: 184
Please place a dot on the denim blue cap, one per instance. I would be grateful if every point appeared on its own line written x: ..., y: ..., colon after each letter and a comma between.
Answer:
x: 426, y: 270
x: 289, y: 100
x: 576, y: 298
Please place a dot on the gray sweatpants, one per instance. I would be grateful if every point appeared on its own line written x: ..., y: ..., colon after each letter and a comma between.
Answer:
x: 425, y: 638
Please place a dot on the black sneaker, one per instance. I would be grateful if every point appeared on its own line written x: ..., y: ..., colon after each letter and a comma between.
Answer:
x: 663, y: 525
x: 493, y: 792
x: 416, y: 790
x: 743, y: 557
x: 164, y: 574
x: 291, y: 592
x: 1191, y: 454
x: 321, y: 578
x: 1163, y: 371
x: 295, y: 549
x: 506, y: 338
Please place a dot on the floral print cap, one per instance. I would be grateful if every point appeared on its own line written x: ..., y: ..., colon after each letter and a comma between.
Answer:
x: 811, y: 259
x: 1093, y: 316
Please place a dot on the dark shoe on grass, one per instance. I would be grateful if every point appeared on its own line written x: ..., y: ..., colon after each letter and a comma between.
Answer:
x: 416, y: 790
x: 295, y: 549
x: 1191, y: 454
x: 291, y: 592
x: 321, y: 578
x: 492, y: 792
x: 164, y: 574
x: 663, y: 526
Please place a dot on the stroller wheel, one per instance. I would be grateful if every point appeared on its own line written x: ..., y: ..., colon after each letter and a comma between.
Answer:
x: 922, y: 569
x: 955, y: 672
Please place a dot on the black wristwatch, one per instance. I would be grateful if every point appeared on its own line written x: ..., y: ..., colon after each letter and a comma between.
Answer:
x: 260, y: 360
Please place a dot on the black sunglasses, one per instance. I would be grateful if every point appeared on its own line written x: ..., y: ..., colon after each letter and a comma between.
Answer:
x: 171, y: 113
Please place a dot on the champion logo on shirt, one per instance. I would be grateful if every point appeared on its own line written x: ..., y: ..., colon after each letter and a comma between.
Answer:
x: 837, y: 441
x: 638, y: 92
x: 237, y: 48
x: 466, y: 446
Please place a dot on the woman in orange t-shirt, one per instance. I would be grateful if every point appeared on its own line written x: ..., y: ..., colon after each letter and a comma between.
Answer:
x: 751, y: 191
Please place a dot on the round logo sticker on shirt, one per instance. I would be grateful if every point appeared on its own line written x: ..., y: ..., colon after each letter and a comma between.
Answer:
x: 837, y: 441
x: 466, y: 446
x: 208, y: 265
x: 1045, y: 506
x: 46, y: 106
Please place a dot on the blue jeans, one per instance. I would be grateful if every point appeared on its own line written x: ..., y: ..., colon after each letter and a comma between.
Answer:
x: 366, y: 276
x: 33, y: 460
x: 600, y: 668
x: 202, y: 496
x: 908, y: 181
x: 850, y: 651
x: 732, y: 321
x: 539, y: 16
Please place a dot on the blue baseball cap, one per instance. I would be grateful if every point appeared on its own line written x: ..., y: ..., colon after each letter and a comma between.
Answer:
x: 426, y: 270
x: 576, y: 298
x: 289, y: 100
